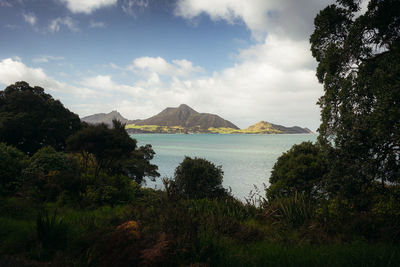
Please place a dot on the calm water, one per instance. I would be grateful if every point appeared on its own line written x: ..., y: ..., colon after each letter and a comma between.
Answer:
x: 246, y: 160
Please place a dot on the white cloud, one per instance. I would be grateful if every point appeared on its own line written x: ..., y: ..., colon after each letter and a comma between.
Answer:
x: 87, y: 6
x: 257, y: 88
x: 97, y: 24
x: 4, y: 3
x: 13, y: 70
x: 287, y: 17
x: 11, y: 26
x: 181, y: 68
x: 68, y: 22
x: 254, y: 89
x: 46, y: 59
x: 30, y: 18
x: 105, y: 83
x: 131, y: 7
x: 273, y: 81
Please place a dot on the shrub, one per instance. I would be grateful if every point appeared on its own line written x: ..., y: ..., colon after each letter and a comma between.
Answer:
x: 12, y: 162
x: 50, y: 173
x: 298, y: 170
x: 196, y: 178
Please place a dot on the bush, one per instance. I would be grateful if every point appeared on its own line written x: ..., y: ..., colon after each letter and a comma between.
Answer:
x: 12, y: 162
x: 50, y: 173
x: 298, y: 170
x: 31, y: 119
x: 196, y: 178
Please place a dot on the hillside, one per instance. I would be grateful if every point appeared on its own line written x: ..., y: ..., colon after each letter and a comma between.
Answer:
x: 266, y: 127
x: 184, y: 119
x: 185, y: 116
x: 105, y: 118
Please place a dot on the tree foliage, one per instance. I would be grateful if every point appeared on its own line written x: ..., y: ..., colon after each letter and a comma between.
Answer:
x: 51, y: 173
x: 12, y: 162
x: 115, y: 152
x: 31, y: 119
x: 197, y: 178
x: 299, y: 170
x: 358, y: 63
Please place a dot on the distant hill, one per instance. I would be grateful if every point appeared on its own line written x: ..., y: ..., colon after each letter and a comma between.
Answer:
x: 266, y: 127
x: 185, y: 116
x: 184, y: 119
x: 105, y: 118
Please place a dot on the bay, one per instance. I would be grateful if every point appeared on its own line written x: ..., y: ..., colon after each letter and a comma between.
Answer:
x: 246, y: 160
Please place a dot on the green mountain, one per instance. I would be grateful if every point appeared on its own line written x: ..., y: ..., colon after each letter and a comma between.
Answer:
x: 266, y: 127
x: 186, y: 117
x: 105, y: 118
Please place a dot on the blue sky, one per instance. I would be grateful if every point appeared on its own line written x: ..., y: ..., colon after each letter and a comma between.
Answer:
x: 243, y: 60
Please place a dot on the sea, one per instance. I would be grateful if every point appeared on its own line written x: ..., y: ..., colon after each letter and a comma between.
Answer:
x: 246, y: 159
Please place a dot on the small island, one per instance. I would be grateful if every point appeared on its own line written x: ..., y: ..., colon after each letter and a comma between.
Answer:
x: 185, y: 120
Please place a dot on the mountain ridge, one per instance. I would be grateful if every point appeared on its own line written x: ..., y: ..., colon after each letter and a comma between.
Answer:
x: 105, y: 118
x: 184, y: 119
x: 185, y: 116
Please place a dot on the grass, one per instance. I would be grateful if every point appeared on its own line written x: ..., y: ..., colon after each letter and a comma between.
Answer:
x: 223, y: 232
x: 231, y: 253
x: 179, y: 129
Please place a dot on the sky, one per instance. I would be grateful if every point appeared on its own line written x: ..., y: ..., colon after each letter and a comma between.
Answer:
x: 245, y: 60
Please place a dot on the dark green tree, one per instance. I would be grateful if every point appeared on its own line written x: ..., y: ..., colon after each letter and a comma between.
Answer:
x: 359, y: 64
x: 51, y: 173
x: 115, y: 152
x: 299, y: 170
x: 12, y: 162
x: 31, y: 119
x: 197, y: 178
x: 137, y: 166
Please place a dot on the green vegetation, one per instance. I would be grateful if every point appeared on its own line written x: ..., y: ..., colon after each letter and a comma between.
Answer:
x: 31, y: 119
x: 358, y: 63
x: 158, y: 129
x: 299, y: 170
x: 266, y: 128
x: 196, y: 178
x: 334, y: 203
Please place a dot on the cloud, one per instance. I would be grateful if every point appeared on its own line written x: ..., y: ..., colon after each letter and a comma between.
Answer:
x: 258, y: 87
x: 87, y: 6
x: 288, y: 17
x: 131, y: 7
x: 96, y: 24
x: 30, y: 18
x: 4, y: 3
x: 11, y: 26
x: 181, y: 67
x: 13, y: 70
x: 273, y: 81
x: 45, y: 59
x: 105, y: 83
x: 55, y: 25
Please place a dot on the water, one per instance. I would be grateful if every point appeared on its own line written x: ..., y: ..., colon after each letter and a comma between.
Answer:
x: 246, y: 160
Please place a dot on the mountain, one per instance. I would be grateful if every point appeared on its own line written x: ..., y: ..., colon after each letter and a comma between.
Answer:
x: 184, y: 119
x: 185, y: 116
x: 105, y: 118
x: 266, y: 127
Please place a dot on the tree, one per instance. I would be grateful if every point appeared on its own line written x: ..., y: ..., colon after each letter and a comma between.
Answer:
x: 197, y: 178
x: 300, y: 170
x: 51, y: 173
x: 359, y: 65
x: 12, y: 162
x: 31, y: 119
x: 115, y: 152
x: 137, y: 166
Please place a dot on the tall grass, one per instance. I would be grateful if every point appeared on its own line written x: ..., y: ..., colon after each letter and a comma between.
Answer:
x: 293, y: 211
